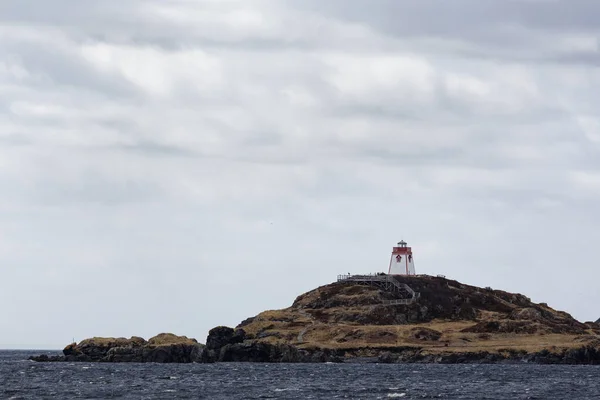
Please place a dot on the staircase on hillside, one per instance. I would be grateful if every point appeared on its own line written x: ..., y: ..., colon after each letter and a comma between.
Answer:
x: 386, y: 282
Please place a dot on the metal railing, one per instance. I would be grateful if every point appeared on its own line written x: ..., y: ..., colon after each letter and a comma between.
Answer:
x: 402, y: 301
x: 386, y: 282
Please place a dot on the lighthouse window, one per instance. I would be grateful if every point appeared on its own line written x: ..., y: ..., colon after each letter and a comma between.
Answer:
x: 398, y: 258
x: 410, y: 258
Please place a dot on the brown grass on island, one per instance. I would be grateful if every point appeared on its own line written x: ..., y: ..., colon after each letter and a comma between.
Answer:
x: 449, y: 317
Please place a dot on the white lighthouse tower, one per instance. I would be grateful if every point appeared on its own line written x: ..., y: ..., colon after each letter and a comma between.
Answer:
x: 401, y: 262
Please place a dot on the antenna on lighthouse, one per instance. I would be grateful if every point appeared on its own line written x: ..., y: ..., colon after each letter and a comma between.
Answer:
x: 401, y: 261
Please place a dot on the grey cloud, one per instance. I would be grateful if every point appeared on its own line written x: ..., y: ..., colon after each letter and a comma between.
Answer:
x: 514, y: 29
x: 454, y: 124
x: 63, y: 12
x: 462, y: 18
x: 15, y: 139
x: 50, y: 66
x: 153, y: 148
x: 94, y: 189
x: 413, y: 157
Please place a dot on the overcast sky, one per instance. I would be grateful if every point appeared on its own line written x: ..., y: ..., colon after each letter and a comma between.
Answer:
x: 171, y: 166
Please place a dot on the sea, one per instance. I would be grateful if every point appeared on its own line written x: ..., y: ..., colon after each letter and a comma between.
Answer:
x: 23, y: 379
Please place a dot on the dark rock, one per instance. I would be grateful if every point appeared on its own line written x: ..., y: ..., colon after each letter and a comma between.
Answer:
x: 124, y: 354
x: 227, y: 345
x: 223, y: 335
x: 218, y: 339
x: 388, y: 358
x: 582, y: 355
x: 422, y: 333
x: 528, y: 313
x: 587, y: 355
x: 266, y: 334
x: 246, y: 322
x: 255, y: 352
x: 521, y: 327
x: 46, y: 358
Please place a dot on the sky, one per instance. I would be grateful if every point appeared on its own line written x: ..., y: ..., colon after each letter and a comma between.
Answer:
x: 172, y: 166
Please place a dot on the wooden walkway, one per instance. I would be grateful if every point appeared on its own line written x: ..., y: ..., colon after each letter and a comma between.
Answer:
x: 385, y: 282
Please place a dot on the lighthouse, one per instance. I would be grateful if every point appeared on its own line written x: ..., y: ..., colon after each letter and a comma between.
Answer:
x: 401, y: 262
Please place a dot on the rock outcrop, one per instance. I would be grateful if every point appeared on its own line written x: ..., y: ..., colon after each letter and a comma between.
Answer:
x: 163, y: 348
x: 225, y: 344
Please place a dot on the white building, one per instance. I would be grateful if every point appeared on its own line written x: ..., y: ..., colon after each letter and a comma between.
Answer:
x: 402, y: 262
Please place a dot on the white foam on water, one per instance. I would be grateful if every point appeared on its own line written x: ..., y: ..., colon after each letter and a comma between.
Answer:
x: 396, y: 394
x: 285, y: 389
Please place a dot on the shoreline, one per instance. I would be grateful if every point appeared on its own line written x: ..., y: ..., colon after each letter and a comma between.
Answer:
x: 260, y: 353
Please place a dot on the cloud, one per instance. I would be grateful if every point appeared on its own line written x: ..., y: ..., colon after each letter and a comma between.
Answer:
x: 157, y: 154
x: 516, y: 30
x: 154, y: 71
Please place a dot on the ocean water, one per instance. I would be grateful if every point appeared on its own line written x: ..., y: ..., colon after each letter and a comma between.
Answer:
x: 22, y: 379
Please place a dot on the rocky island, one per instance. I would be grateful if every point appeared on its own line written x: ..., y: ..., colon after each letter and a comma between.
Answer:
x: 377, y: 318
x: 162, y: 348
